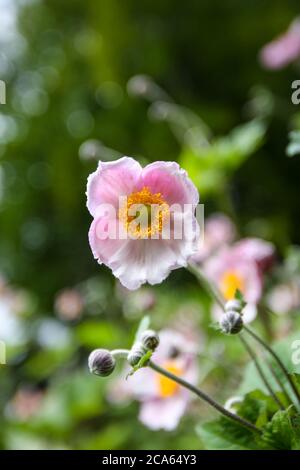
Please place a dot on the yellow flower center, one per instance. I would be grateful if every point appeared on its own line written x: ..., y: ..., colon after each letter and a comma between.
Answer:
x: 167, y: 387
x: 143, y: 213
x: 230, y: 282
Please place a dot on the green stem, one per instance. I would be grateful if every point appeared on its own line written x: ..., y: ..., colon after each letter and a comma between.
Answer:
x: 280, y: 384
x: 193, y: 268
x: 277, y: 359
x: 210, y: 288
x: 265, y: 319
x: 261, y: 372
x: 241, y: 421
x: 122, y: 353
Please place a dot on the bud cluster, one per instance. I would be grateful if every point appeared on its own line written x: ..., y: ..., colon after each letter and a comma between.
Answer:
x: 149, y: 341
x: 102, y: 362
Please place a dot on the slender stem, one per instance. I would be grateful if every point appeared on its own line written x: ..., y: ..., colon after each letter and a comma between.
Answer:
x: 210, y: 288
x: 279, y: 382
x: 243, y: 422
x: 277, y: 359
x: 120, y: 353
x: 261, y: 372
x: 265, y: 319
x: 269, y: 311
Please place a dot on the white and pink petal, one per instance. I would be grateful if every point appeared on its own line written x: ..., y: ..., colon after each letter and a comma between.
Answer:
x: 110, y: 181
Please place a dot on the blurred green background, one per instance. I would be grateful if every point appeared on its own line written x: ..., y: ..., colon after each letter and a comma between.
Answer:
x: 66, y: 66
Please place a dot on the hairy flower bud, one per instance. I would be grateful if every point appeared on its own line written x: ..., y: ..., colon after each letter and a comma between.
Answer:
x: 138, y: 350
x: 231, y: 322
x: 233, y: 305
x: 101, y: 362
x: 150, y: 339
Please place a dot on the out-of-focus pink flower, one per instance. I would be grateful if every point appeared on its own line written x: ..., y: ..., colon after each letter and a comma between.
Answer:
x: 240, y: 266
x: 69, y: 304
x: 26, y: 403
x: 219, y: 230
x: 285, y: 297
x: 282, y: 50
x: 257, y: 250
x: 164, y: 402
x: 140, y: 258
x: 231, y: 272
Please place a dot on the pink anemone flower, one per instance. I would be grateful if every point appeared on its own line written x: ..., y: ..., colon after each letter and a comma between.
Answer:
x: 257, y: 250
x: 118, y: 192
x: 164, y: 402
x: 282, y: 50
x: 240, y: 266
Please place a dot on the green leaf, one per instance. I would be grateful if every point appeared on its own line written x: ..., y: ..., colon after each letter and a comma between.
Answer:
x: 283, y: 432
x: 226, y: 434
x: 143, y: 362
x: 143, y: 325
x: 210, y: 165
x: 223, y: 434
x: 254, y: 407
x: 248, y: 137
x: 281, y: 429
x: 239, y: 296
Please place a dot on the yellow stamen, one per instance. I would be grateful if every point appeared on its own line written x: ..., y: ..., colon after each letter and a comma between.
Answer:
x: 230, y: 282
x: 167, y: 387
x: 144, y: 213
